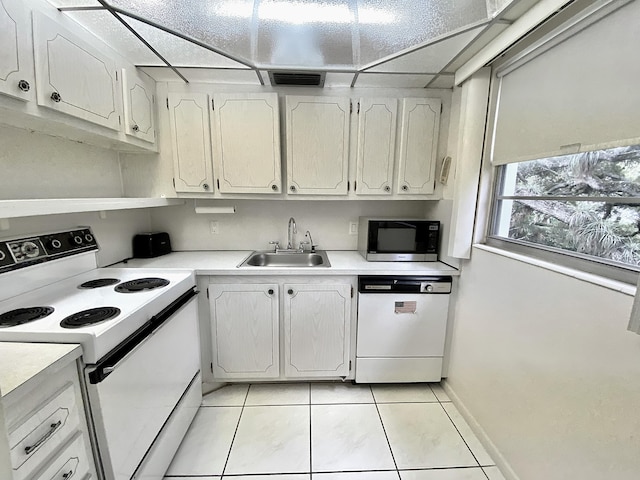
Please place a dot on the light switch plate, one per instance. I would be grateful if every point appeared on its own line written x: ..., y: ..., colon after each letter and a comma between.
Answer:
x: 213, y: 227
x: 353, y: 228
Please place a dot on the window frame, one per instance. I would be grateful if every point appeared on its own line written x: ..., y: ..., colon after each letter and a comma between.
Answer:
x: 586, y: 263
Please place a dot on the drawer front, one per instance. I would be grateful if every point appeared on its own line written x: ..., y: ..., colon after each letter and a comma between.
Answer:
x: 72, y: 463
x: 43, y: 431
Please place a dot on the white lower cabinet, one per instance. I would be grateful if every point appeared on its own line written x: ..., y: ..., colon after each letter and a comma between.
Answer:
x: 244, y: 330
x: 317, y: 321
x: 276, y: 328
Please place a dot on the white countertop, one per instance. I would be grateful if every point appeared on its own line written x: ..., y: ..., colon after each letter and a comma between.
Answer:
x: 21, y: 362
x: 342, y: 263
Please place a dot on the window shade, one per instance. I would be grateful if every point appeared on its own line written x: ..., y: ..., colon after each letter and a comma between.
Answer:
x: 581, y: 95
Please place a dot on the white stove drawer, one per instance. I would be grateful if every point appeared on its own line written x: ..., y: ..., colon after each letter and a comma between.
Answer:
x: 42, y: 431
x: 70, y: 464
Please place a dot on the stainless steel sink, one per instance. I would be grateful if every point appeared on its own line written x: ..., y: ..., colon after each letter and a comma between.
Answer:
x: 287, y: 259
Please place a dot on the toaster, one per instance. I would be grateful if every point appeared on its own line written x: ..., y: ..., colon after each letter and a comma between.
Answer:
x: 151, y: 244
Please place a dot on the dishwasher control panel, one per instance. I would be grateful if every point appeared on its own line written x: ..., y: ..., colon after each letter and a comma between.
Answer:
x: 400, y: 284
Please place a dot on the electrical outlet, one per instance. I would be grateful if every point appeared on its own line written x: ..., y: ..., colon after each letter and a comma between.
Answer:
x: 353, y: 228
x: 213, y: 227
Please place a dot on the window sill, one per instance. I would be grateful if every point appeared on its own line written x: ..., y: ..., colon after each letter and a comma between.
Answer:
x: 617, y: 286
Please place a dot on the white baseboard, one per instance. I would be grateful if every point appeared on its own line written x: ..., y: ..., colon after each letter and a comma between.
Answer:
x: 489, y: 446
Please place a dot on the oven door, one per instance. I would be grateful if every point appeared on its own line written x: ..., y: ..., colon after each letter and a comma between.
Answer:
x: 133, y: 390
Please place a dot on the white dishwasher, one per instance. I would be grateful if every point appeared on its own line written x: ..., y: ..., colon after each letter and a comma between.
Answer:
x: 402, y: 323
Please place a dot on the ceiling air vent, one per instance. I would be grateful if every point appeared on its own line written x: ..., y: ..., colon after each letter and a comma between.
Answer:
x: 297, y: 79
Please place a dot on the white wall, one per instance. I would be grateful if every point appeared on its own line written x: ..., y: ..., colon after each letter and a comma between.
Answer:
x: 258, y: 222
x: 543, y: 362
x: 36, y: 165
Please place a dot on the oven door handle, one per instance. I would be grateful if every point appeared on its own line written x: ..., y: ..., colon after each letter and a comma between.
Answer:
x: 107, y: 365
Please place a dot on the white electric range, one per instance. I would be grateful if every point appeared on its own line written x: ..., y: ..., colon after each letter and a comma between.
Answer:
x: 138, y: 329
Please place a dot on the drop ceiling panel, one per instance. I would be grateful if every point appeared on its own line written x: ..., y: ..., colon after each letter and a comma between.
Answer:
x: 205, y: 75
x: 335, y: 79
x: 489, y: 34
x: 401, y: 24
x: 431, y: 58
x: 74, y: 3
x: 443, y: 81
x: 224, y: 25
x: 393, y: 80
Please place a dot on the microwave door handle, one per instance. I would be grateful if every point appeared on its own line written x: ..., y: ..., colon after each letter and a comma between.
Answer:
x: 108, y: 365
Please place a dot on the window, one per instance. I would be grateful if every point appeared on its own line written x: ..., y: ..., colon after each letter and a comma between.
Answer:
x: 584, y: 205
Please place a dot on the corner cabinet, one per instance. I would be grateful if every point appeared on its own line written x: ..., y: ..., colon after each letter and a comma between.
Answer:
x: 247, y: 142
x: 244, y: 330
x: 317, y: 322
x: 376, y: 145
x: 16, y: 61
x: 72, y: 77
x: 317, y: 133
x: 191, y: 142
x: 419, y: 131
x: 138, y: 94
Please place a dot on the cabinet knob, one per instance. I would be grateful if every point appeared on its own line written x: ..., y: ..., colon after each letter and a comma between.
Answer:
x: 387, y: 188
x: 290, y: 291
x: 274, y: 188
x: 271, y: 291
x: 55, y: 96
x: 205, y: 186
x: 24, y: 85
x: 135, y: 128
x: 405, y: 188
x: 69, y: 474
x: 292, y: 188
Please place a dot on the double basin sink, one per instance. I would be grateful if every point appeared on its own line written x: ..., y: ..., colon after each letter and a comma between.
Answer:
x: 286, y: 259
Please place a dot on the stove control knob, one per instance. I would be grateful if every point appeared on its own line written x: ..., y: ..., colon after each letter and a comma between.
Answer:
x: 54, y: 244
x: 30, y: 249
x: 77, y: 239
x: 88, y: 237
x: 2, y: 255
x: 428, y: 288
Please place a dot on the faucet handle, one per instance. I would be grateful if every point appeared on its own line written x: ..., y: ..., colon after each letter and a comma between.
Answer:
x: 276, y: 245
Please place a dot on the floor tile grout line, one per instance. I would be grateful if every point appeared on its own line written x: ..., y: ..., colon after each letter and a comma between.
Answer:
x: 235, y: 433
x: 384, y: 430
x: 461, y: 436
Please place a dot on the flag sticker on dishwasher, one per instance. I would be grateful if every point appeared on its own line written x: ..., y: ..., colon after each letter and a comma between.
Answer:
x: 405, y: 307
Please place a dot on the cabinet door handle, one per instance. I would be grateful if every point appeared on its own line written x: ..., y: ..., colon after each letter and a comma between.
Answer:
x: 290, y: 291
x: 52, y: 429
x: 292, y: 188
x: 271, y: 291
x: 405, y: 188
x: 24, y: 85
x: 274, y: 188
x: 387, y: 188
x: 55, y: 96
x: 205, y: 186
x: 67, y: 475
x: 135, y: 128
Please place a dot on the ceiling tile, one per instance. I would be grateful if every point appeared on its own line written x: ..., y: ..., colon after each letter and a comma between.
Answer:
x: 74, y: 3
x: 432, y: 58
x: 205, y: 75
x: 393, y: 80
x: 338, y: 79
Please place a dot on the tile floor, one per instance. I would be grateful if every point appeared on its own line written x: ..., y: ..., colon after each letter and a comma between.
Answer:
x: 330, y: 431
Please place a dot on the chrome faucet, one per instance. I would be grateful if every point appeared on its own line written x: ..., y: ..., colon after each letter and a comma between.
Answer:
x: 312, y: 247
x: 291, y: 230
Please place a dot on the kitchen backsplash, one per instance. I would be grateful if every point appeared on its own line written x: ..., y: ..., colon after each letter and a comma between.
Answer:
x: 256, y: 223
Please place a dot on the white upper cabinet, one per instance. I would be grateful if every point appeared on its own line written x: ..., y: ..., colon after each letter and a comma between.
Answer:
x: 73, y: 77
x: 418, y: 145
x: 245, y: 330
x: 376, y: 145
x: 191, y: 142
x: 247, y: 142
x: 317, y: 145
x: 16, y: 62
x: 138, y: 95
x: 317, y: 323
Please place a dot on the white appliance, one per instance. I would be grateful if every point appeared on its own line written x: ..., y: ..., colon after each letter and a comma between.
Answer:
x: 402, y: 323
x: 139, y: 332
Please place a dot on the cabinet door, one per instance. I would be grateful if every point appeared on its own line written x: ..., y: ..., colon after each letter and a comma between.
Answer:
x: 72, y: 77
x: 376, y: 145
x: 16, y: 76
x: 244, y: 326
x: 247, y: 142
x: 191, y: 142
x: 317, y: 145
x: 418, y: 145
x: 138, y: 94
x: 317, y: 322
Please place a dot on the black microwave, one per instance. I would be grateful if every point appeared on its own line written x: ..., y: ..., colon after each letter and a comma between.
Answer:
x: 398, y: 240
